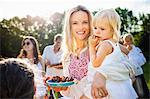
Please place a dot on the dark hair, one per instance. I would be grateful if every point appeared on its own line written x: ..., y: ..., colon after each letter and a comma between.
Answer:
x: 16, y: 79
x: 36, y: 51
x: 57, y: 36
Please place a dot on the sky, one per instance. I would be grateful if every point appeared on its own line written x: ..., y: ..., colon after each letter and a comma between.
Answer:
x: 44, y: 8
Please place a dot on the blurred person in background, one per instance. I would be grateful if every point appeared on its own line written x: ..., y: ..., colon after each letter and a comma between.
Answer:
x: 52, y: 56
x: 16, y: 79
x: 30, y: 52
x: 137, y: 58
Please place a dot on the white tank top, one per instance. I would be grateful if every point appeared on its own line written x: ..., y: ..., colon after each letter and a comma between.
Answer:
x: 113, y: 66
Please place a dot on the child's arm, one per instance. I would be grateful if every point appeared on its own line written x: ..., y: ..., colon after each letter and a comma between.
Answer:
x: 97, y: 55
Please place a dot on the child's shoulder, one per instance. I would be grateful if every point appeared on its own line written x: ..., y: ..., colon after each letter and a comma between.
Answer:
x: 106, y: 46
x: 106, y: 43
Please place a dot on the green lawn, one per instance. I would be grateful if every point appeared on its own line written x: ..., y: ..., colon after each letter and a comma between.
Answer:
x: 147, y: 73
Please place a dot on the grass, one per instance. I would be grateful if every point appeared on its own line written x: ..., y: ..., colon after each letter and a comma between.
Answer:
x: 147, y: 73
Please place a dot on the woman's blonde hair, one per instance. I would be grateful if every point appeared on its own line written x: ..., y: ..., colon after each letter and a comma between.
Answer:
x: 112, y: 17
x: 69, y: 43
x: 130, y: 36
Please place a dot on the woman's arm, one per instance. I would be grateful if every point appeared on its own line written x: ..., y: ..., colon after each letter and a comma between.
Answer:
x: 124, y: 49
x: 99, y: 86
x: 42, y: 64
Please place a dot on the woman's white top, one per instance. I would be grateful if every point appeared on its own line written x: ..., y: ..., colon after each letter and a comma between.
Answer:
x: 137, y: 58
x: 38, y: 78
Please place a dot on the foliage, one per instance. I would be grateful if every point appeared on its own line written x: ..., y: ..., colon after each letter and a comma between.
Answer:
x: 145, y: 34
x: 12, y: 30
x: 147, y: 72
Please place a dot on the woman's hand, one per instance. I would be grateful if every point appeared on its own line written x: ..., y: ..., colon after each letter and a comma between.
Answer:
x: 58, y: 89
x: 129, y: 47
x: 99, y: 86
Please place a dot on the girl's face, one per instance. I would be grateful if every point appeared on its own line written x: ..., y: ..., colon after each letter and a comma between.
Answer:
x: 103, y: 30
x: 27, y: 45
x: 80, y: 25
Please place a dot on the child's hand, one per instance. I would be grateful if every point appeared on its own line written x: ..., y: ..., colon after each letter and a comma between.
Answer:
x: 93, y: 41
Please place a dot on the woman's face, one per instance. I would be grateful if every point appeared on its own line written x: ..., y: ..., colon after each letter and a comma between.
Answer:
x: 28, y: 45
x: 80, y: 25
x: 127, y: 41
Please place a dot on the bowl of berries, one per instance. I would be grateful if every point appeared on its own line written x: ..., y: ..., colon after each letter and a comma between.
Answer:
x: 58, y: 81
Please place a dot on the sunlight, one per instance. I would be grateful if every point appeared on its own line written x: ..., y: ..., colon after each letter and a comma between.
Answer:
x: 44, y: 8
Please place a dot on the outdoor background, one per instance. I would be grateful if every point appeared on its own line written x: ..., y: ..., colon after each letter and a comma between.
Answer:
x: 44, y: 18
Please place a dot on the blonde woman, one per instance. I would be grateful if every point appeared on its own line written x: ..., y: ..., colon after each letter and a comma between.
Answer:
x: 77, y: 29
x: 78, y: 26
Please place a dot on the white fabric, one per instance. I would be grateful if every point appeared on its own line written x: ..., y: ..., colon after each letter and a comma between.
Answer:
x: 113, y: 66
x: 75, y: 91
x: 54, y: 58
x: 116, y: 73
x: 39, y: 82
x: 116, y: 90
x: 137, y: 58
x: 38, y: 78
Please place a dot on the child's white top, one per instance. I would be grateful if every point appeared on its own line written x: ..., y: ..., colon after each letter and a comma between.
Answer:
x: 113, y: 66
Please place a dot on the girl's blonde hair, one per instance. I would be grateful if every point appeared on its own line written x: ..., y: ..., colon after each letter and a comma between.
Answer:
x: 112, y: 17
x: 69, y: 42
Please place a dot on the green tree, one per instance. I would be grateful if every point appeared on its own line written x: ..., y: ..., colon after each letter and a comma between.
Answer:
x: 10, y: 40
x: 145, y: 34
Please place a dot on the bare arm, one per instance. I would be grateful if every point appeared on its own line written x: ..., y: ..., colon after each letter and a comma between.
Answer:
x: 43, y: 65
x: 98, y: 56
x: 124, y: 49
x: 98, y: 86
x: 58, y: 66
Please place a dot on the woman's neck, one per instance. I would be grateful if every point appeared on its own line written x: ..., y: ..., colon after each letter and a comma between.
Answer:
x: 30, y: 55
x: 80, y: 45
